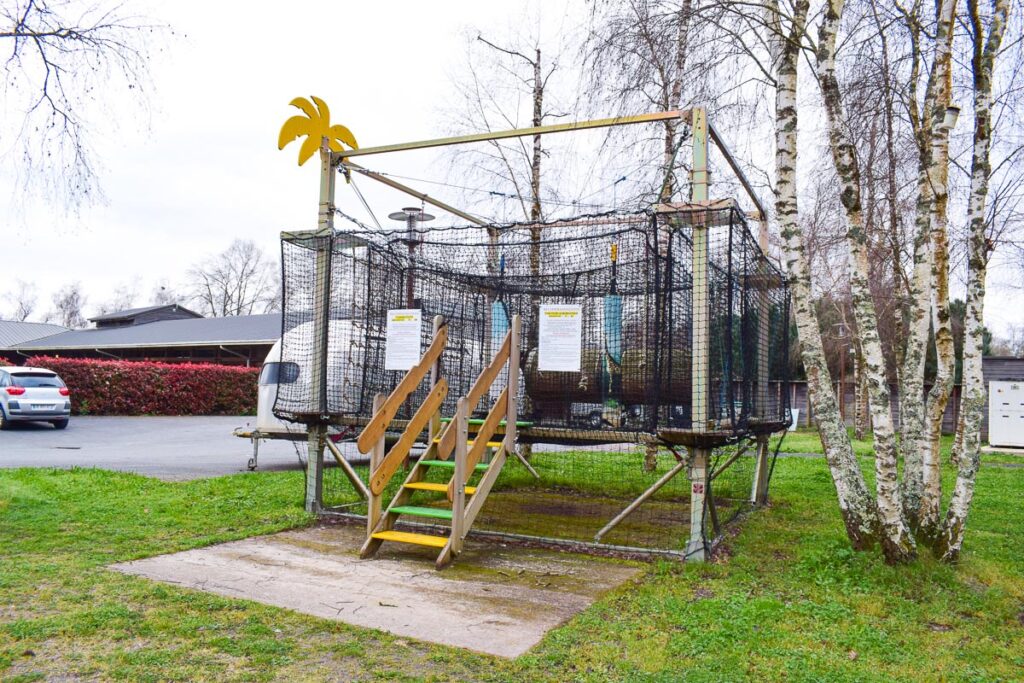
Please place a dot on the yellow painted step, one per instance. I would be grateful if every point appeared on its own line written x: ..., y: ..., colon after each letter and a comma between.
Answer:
x: 440, y: 488
x: 490, y: 444
x: 416, y: 539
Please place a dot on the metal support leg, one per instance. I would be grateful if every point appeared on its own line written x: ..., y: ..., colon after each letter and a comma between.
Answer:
x: 696, y: 549
x: 759, y: 489
x: 254, y: 461
x: 665, y: 478
x: 315, y: 468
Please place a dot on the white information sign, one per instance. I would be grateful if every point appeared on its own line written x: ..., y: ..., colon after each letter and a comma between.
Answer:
x: 560, y: 337
x: 403, y: 339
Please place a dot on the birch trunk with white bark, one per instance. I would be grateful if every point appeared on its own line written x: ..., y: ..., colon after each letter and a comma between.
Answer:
x: 917, y: 416
x: 858, y: 509
x: 951, y: 534
x: 675, y: 96
x: 897, y: 543
x: 938, y: 174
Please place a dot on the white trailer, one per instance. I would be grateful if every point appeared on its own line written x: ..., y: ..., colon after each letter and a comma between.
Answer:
x: 1006, y: 414
x: 276, y: 372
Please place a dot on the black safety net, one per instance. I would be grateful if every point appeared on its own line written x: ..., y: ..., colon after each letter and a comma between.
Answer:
x: 683, y: 321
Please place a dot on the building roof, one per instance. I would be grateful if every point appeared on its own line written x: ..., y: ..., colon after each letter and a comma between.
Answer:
x: 233, y: 330
x: 13, y: 332
x: 130, y: 313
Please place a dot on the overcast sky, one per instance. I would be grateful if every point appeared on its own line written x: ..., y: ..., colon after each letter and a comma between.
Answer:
x: 206, y: 169
x: 203, y: 168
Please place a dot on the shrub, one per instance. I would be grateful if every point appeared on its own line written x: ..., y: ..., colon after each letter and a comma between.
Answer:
x: 114, y: 387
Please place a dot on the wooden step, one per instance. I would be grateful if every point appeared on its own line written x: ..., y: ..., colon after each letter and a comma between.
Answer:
x: 490, y: 444
x: 440, y: 488
x: 418, y: 511
x: 477, y: 421
x: 416, y: 539
x: 450, y: 464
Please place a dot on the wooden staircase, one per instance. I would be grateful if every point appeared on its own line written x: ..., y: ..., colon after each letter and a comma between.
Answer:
x: 445, y: 438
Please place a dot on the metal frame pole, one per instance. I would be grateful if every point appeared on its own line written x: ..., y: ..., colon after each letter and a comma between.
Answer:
x: 654, y: 488
x: 459, y: 499
x: 427, y: 199
x: 512, y: 133
x: 759, y: 486
x: 317, y: 432
x: 357, y: 483
x: 373, y: 501
x: 696, y: 550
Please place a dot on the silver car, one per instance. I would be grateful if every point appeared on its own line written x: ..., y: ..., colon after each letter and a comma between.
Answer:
x: 33, y: 395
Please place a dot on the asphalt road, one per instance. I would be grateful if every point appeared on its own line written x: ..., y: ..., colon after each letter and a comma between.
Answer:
x: 171, y: 448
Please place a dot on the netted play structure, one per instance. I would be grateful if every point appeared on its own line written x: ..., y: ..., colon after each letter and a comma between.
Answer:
x: 631, y: 276
x: 606, y: 382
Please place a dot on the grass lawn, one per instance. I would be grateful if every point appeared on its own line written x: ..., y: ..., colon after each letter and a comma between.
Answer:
x: 791, y: 601
x: 807, y: 441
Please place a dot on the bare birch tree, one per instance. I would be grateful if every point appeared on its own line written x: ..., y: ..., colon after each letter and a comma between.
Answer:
x: 68, y: 302
x: 163, y: 293
x: 59, y: 57
x: 23, y: 300
x: 859, y: 510
x: 122, y: 299
x: 640, y: 57
x: 897, y: 543
x: 238, y: 281
x: 950, y: 538
x: 927, y: 122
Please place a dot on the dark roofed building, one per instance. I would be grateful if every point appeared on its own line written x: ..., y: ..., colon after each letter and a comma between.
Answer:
x: 187, y: 337
x: 140, y: 316
x: 13, y: 332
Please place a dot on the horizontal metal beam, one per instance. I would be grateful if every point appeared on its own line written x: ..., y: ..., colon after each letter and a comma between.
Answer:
x: 734, y: 165
x: 409, y: 191
x: 513, y: 133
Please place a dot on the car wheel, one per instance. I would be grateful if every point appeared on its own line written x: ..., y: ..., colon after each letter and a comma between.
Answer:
x: 595, y: 420
x: 60, y: 424
x: 4, y: 422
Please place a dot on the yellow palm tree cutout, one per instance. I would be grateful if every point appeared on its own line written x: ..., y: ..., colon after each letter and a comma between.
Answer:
x: 314, y: 125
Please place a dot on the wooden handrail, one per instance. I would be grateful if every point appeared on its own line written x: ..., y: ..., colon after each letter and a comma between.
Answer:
x: 483, y: 435
x: 389, y: 465
x: 480, y: 387
x: 378, y: 424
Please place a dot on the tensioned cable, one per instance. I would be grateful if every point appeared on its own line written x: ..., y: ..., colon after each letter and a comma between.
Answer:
x: 366, y: 206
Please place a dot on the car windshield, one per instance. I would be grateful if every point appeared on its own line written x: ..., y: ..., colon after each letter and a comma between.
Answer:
x: 279, y: 373
x: 36, y: 379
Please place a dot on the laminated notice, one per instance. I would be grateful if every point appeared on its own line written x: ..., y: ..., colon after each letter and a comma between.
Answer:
x: 560, y: 338
x: 402, y: 349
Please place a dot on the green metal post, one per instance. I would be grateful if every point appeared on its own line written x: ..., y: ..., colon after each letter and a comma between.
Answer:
x: 696, y: 549
x: 317, y: 433
x: 759, y: 487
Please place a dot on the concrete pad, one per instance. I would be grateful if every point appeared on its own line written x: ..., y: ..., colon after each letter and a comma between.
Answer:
x: 494, y: 599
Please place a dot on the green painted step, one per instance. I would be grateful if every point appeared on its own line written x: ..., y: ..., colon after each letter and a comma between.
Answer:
x: 418, y: 511
x: 479, y: 421
x: 450, y: 464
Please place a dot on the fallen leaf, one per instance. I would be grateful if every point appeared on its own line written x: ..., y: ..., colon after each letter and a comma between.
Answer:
x: 852, y: 655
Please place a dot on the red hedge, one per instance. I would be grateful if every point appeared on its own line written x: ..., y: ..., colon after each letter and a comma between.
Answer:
x: 114, y: 387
